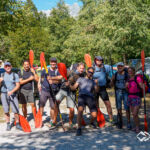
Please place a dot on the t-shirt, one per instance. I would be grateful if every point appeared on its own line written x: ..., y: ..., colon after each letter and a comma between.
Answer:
x: 86, y: 86
x: 133, y: 87
x: 45, y: 83
x: 25, y: 75
x: 100, y: 74
x: 9, y: 82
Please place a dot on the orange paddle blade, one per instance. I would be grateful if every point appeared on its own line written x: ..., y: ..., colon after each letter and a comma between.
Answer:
x: 42, y: 57
x: 100, y: 118
x: 88, y: 60
x: 31, y: 57
x: 62, y: 70
x: 83, y: 122
x: 43, y: 62
x: 145, y: 123
x: 143, y: 59
x: 24, y: 124
x: 38, y: 120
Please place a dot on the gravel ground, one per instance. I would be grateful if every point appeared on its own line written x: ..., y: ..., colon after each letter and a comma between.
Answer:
x: 109, y: 138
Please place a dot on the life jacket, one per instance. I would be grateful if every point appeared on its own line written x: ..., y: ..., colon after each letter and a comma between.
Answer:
x: 103, y: 69
x: 138, y: 91
x: 123, y: 80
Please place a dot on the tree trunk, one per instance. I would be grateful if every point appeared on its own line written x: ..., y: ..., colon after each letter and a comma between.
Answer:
x: 124, y: 59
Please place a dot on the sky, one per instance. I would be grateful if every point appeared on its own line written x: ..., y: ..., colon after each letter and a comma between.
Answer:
x: 46, y: 6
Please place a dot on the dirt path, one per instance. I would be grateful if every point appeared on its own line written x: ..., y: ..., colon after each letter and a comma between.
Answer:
x: 109, y: 138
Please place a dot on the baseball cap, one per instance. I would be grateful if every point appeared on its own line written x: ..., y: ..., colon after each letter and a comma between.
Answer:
x: 53, y: 59
x: 120, y: 64
x: 7, y: 64
x: 99, y: 58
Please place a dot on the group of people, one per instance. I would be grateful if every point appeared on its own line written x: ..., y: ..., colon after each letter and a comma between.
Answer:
x: 83, y: 88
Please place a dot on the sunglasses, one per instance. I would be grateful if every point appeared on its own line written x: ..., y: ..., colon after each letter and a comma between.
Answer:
x: 90, y: 72
x: 7, y: 66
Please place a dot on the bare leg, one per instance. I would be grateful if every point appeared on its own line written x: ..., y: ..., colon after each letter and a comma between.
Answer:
x: 93, y: 116
x: 33, y: 107
x: 79, y: 117
x: 7, y: 117
x: 24, y: 110
x: 16, y: 117
x: 109, y: 109
x: 71, y: 115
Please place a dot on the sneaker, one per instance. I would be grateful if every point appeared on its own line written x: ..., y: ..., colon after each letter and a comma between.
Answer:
x: 79, y: 132
x: 71, y: 126
x: 18, y: 126
x: 119, y: 125
x: 93, y: 125
x: 13, y: 122
x: 129, y: 127
x: 52, y: 125
x: 8, y: 126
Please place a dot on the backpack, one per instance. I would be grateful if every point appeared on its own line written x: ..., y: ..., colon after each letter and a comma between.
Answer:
x: 2, y: 75
x: 125, y: 77
x: 108, y: 80
x: 145, y: 81
x: 59, y: 84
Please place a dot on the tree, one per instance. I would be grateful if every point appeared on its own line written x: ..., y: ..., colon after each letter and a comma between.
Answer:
x: 59, y: 24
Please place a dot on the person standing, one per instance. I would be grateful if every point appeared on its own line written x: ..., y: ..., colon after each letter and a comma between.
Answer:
x: 65, y: 91
x: 87, y: 87
x: 101, y: 75
x: 9, y: 86
x: 119, y: 80
x: 49, y: 85
x: 134, y: 87
x: 26, y: 95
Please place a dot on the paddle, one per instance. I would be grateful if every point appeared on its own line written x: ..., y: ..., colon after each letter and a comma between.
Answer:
x: 88, y: 60
x: 51, y: 90
x: 38, y: 118
x: 63, y: 71
x: 31, y: 60
x: 41, y: 59
x: 23, y: 122
x: 143, y: 65
x: 100, y: 116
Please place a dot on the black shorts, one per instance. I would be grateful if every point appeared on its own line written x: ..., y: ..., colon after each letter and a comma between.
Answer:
x: 84, y: 100
x: 102, y: 93
x: 44, y: 96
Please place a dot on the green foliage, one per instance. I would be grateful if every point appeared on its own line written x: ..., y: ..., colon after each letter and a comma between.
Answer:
x: 111, y: 28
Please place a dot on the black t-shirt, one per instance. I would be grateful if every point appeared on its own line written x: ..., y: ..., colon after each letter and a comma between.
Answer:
x: 45, y: 83
x: 25, y: 75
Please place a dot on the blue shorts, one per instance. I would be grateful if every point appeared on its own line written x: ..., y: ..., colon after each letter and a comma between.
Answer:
x: 121, y: 95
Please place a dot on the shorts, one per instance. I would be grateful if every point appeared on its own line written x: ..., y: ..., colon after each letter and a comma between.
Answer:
x: 121, y: 95
x: 7, y: 102
x: 26, y: 96
x: 102, y: 93
x: 84, y: 100
x: 136, y: 101
x: 70, y: 97
x: 44, y: 96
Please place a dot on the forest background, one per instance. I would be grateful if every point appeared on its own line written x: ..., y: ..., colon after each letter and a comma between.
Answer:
x: 116, y: 29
